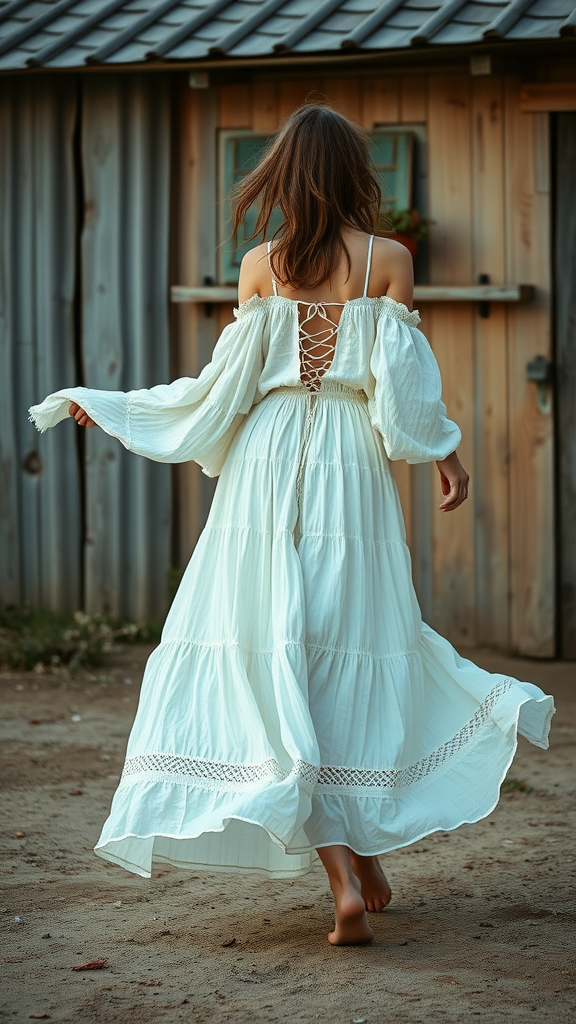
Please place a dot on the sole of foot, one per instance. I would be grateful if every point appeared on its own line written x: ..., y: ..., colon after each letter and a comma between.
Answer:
x: 352, y: 926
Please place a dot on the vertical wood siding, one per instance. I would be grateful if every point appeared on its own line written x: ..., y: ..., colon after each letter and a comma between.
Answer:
x: 40, y: 552
x: 196, y: 326
x: 125, y: 151
x: 485, y: 573
x: 95, y: 314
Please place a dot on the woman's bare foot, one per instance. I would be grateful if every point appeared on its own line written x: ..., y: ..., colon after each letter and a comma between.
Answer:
x: 373, y: 882
x: 351, y: 925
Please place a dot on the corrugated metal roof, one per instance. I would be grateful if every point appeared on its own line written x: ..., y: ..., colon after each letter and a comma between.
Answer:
x: 73, y: 33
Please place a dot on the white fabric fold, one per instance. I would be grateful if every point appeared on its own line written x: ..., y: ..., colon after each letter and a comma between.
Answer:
x: 405, y: 404
x: 193, y: 418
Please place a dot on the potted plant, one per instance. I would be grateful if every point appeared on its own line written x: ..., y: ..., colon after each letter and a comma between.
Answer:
x: 406, y: 226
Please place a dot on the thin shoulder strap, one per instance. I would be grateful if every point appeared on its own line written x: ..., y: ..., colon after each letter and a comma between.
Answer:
x: 274, y: 285
x: 368, y: 264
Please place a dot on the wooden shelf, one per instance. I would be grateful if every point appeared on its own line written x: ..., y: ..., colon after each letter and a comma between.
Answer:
x: 422, y: 293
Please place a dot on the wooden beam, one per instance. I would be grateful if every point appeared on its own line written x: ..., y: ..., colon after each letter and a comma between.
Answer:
x: 547, y: 96
x: 422, y: 293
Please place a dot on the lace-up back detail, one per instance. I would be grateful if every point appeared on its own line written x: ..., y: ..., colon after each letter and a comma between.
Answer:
x: 318, y: 332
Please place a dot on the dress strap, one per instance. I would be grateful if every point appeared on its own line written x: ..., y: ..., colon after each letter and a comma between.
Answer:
x: 274, y: 285
x: 368, y: 264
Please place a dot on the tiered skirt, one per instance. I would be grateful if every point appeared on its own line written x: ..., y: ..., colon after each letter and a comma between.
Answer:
x: 296, y: 699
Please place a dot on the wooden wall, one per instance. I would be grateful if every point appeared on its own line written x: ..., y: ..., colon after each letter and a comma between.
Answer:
x: 485, y: 573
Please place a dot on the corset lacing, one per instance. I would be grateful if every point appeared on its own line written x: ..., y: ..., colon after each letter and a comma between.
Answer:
x: 311, y: 370
x: 311, y: 381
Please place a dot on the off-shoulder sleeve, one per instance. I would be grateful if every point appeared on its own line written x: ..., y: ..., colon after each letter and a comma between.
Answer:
x: 405, y: 403
x: 194, y: 418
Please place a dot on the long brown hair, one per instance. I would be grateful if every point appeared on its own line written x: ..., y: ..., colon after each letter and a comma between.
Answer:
x: 319, y: 173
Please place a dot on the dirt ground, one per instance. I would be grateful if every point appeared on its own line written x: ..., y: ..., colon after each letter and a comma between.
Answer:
x: 481, y: 922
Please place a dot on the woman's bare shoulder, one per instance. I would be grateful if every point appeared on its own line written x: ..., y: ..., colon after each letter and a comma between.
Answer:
x: 393, y: 270
x: 253, y: 256
x: 252, y: 272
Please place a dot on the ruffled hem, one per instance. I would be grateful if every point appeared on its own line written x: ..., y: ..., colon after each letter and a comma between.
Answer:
x: 274, y: 830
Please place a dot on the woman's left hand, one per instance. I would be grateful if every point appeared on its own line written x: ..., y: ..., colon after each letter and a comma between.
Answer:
x: 454, y: 482
x: 82, y: 418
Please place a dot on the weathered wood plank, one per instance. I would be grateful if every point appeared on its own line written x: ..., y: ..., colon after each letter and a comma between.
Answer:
x: 380, y: 101
x: 56, y: 225
x: 125, y: 338
x: 413, y: 99
x: 235, y: 106
x: 265, y: 110
x: 344, y: 95
x: 452, y: 341
x: 196, y: 332
x: 548, y: 96
x: 292, y: 93
x: 531, y: 431
x: 565, y: 266
x: 40, y: 556
x: 489, y: 485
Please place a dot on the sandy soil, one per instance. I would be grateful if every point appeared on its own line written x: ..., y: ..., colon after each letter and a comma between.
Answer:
x: 481, y: 922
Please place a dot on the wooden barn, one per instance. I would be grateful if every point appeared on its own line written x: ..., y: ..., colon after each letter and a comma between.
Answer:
x: 123, y: 125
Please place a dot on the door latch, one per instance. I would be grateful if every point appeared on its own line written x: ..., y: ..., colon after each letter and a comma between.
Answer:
x: 540, y: 370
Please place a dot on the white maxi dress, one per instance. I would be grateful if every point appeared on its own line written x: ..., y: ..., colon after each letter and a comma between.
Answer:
x: 296, y: 699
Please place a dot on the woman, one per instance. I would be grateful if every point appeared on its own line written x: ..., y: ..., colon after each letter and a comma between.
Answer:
x: 297, y: 707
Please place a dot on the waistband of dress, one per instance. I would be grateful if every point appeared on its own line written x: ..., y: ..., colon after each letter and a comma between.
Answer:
x: 328, y: 389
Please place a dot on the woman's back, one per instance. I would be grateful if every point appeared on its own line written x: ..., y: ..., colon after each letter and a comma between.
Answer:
x: 320, y: 308
x: 389, y: 264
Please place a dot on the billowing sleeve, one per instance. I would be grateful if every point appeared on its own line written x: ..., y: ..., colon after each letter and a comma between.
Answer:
x: 194, y: 418
x: 404, y: 400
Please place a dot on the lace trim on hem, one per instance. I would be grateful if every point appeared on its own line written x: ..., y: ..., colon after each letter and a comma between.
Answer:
x: 214, y: 774
x: 335, y: 779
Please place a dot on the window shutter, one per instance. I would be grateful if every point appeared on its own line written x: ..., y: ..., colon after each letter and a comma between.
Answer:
x: 392, y: 156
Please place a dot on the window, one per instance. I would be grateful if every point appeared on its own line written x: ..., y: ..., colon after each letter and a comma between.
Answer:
x: 241, y: 150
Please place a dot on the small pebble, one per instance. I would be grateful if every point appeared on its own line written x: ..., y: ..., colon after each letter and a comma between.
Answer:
x: 75, y: 718
x: 358, y: 1020
x: 117, y: 903
x: 46, y: 935
x: 17, y: 920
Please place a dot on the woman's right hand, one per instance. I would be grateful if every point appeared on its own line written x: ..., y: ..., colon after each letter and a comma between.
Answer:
x: 82, y: 418
x: 454, y: 482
